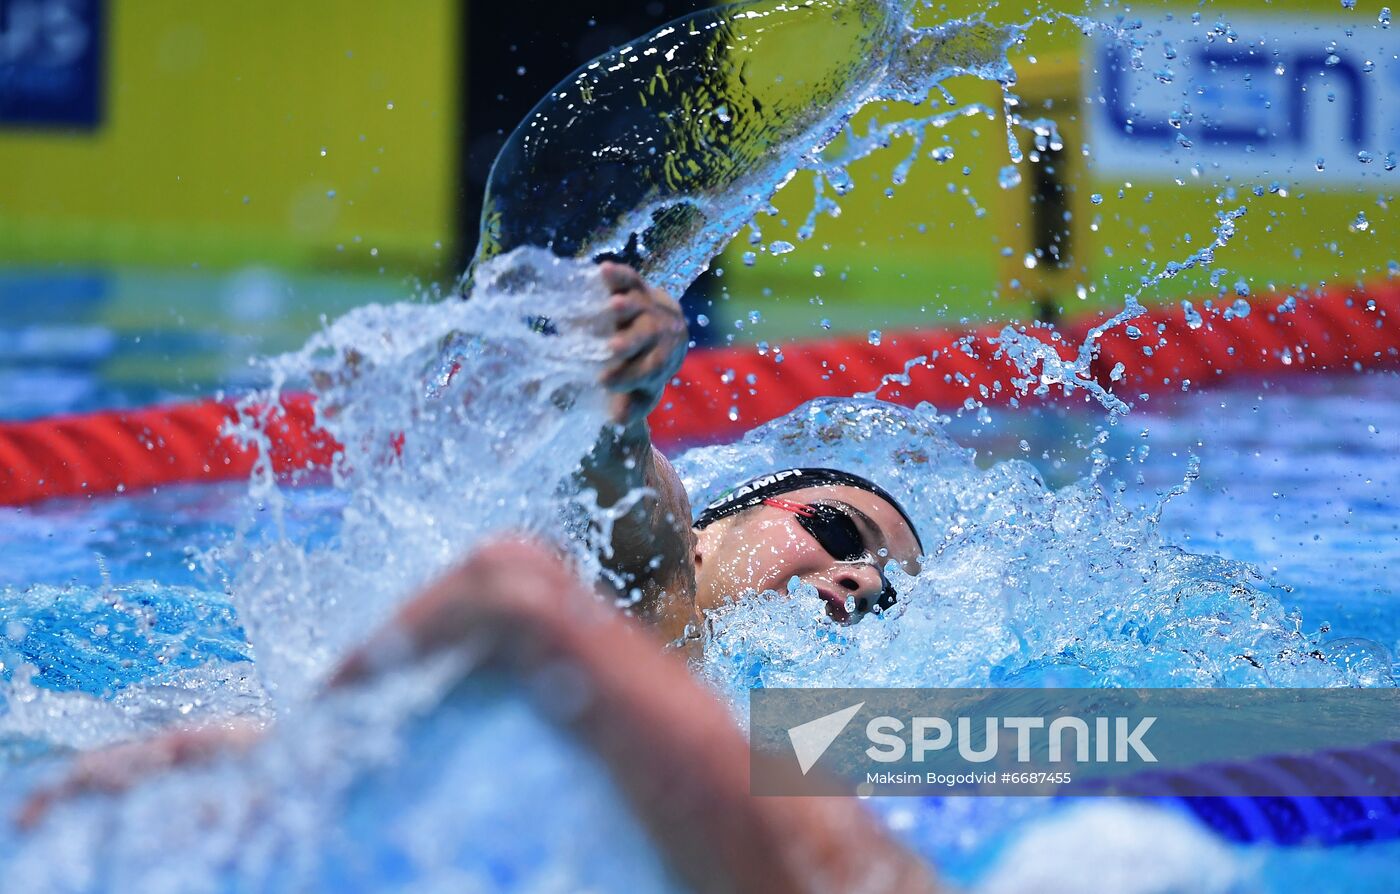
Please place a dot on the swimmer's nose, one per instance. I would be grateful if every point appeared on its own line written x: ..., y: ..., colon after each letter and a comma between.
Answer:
x: 861, y: 580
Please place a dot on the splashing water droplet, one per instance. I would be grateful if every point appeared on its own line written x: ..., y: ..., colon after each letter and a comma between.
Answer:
x: 1009, y: 177
x: 780, y: 247
x: 1116, y: 374
x: 1239, y: 309
x: 1333, y: 59
x: 1384, y: 17
x: 1390, y: 161
x: 1321, y: 163
x: 1242, y: 288
x: 874, y: 337
x: 1132, y: 332
x: 1365, y: 157
x: 750, y: 259
x: 1193, y: 316
x: 942, y: 154
x: 1096, y: 198
x: 733, y: 414
x: 1360, y: 224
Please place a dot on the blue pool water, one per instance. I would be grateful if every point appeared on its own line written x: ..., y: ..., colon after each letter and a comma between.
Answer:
x: 1055, y: 559
x: 120, y: 616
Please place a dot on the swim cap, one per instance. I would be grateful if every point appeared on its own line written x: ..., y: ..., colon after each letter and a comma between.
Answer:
x: 756, y: 490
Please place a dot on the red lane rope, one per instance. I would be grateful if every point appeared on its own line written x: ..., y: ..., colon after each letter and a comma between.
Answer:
x: 722, y: 392
x: 127, y: 450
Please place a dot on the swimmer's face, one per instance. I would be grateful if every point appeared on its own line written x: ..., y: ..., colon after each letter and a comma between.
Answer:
x: 764, y: 547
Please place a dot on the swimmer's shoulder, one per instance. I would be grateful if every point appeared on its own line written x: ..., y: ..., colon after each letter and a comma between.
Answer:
x: 673, y: 583
x: 670, y: 492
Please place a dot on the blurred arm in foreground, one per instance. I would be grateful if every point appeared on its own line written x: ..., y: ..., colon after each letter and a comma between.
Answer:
x: 670, y: 746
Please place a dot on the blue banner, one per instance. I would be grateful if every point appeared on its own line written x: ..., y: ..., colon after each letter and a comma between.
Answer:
x: 51, y: 54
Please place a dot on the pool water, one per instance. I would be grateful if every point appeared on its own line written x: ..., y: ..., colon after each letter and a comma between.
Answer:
x: 121, y: 616
x: 1065, y: 548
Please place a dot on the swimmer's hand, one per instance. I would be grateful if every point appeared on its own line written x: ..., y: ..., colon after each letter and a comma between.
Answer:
x: 646, y: 344
x: 114, y: 770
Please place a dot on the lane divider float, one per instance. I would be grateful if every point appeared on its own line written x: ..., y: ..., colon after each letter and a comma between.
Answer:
x: 723, y: 392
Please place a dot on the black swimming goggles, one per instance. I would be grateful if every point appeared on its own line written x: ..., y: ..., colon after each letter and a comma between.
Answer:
x: 837, y: 532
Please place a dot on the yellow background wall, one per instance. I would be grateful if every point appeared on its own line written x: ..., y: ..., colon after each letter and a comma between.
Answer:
x: 949, y: 244
x: 227, y: 126
x: 216, y: 115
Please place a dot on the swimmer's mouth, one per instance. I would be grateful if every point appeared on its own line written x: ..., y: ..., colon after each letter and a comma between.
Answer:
x: 835, y: 607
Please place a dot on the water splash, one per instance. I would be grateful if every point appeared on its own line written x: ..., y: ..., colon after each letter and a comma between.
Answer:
x: 1024, y: 586
x: 449, y: 435
x: 457, y: 419
x: 660, y: 151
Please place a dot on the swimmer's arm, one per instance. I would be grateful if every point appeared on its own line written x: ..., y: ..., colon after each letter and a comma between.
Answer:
x: 676, y: 754
x: 651, y: 543
x: 671, y: 747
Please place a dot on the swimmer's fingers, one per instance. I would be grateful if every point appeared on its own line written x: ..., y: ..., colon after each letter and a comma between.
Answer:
x: 620, y: 277
x: 650, y: 347
x: 634, y: 355
x: 644, y: 374
x: 647, y: 345
x: 625, y: 307
x: 629, y: 294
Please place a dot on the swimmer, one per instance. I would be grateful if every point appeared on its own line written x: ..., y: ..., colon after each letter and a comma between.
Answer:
x: 831, y: 529
x: 670, y: 745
